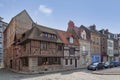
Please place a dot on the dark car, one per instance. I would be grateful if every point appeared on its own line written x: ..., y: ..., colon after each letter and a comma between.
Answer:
x: 108, y: 64
x: 95, y: 66
x: 116, y: 63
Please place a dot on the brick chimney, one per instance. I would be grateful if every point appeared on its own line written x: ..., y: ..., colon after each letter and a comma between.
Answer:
x: 93, y: 27
x: 71, y: 24
x: 106, y: 31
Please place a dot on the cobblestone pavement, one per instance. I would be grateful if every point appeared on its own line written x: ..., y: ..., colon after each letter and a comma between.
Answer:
x: 110, y: 71
x: 81, y: 74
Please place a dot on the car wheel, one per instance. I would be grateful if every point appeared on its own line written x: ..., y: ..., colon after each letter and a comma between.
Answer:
x: 96, y: 69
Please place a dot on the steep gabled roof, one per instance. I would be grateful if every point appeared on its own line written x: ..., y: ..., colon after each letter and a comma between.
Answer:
x: 65, y: 35
x: 34, y: 34
x: 86, y: 30
x: 23, y: 12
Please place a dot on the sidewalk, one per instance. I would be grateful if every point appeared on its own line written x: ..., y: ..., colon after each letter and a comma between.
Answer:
x: 110, y: 71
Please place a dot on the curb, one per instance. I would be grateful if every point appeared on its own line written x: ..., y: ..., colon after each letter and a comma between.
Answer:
x: 44, y: 72
x: 98, y: 73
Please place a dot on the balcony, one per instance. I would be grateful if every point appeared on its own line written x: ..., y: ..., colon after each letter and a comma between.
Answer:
x: 84, y: 53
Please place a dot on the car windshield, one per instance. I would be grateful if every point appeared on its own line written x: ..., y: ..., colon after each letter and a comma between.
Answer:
x: 95, y: 64
x: 107, y: 63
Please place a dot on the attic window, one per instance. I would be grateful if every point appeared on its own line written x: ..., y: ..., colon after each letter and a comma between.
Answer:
x: 45, y: 35
x: 51, y: 36
x: 71, y: 39
x: 83, y: 35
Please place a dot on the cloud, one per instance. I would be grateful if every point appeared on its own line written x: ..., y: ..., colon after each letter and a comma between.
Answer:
x: 45, y: 9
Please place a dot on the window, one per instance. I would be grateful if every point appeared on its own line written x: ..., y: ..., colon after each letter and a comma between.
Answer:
x: 59, y: 47
x: 49, y: 60
x: 0, y: 34
x: 1, y: 46
x: 97, y: 49
x: 83, y: 59
x: 97, y: 41
x: 51, y: 36
x: 45, y: 35
x: 0, y: 24
x: 24, y: 47
x: 71, y: 61
x: 0, y: 39
x: 108, y: 35
x: 0, y: 29
x: 25, y: 61
x: 56, y: 61
x: 110, y: 44
x: 83, y: 35
x: 72, y: 51
x: 71, y: 40
x: 1, y: 50
x: 43, y: 45
x: 83, y: 48
x: 66, y: 61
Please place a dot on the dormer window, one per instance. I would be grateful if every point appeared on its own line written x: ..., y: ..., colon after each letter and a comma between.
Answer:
x: 45, y: 35
x: 71, y: 39
x: 83, y: 35
x: 51, y: 36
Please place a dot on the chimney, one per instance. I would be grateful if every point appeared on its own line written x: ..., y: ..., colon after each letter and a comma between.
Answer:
x: 70, y: 24
x: 106, y: 31
x: 103, y: 31
x: 93, y: 27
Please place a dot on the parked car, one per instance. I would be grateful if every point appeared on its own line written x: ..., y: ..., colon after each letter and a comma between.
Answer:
x: 95, y: 66
x: 108, y: 64
x: 116, y: 63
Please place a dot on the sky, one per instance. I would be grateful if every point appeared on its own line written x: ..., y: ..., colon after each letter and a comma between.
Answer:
x: 105, y: 14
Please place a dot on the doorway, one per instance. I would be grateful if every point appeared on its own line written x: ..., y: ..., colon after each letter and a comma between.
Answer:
x: 11, y: 64
x: 75, y: 62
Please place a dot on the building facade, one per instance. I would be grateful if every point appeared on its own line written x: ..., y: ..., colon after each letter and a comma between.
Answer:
x: 12, y: 35
x: 84, y: 41
x: 116, y: 47
x: 119, y: 46
x: 2, y: 28
x: 31, y: 48
x: 95, y: 44
x: 71, y: 59
x: 83, y: 35
x: 110, y: 46
x: 104, y: 56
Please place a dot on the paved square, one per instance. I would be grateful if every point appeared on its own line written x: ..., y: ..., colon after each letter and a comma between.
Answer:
x: 67, y: 75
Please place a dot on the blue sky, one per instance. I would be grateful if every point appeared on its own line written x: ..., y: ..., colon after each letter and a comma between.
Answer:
x: 57, y: 13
